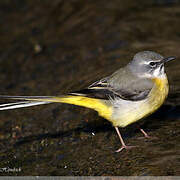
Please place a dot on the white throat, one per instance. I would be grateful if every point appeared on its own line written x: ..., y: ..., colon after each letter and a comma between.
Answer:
x: 159, y: 72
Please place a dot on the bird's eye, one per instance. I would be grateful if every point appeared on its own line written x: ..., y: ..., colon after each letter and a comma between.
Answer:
x: 152, y: 64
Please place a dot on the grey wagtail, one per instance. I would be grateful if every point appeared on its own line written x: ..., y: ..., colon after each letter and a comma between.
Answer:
x: 128, y: 95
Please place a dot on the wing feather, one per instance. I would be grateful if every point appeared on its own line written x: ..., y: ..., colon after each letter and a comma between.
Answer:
x: 102, y: 90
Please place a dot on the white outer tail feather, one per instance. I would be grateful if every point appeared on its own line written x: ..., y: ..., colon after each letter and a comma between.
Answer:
x: 20, y: 104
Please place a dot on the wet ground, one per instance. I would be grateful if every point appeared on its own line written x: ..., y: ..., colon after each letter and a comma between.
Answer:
x: 52, y: 47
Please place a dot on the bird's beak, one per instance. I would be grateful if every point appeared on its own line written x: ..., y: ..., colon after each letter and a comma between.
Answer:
x: 170, y: 58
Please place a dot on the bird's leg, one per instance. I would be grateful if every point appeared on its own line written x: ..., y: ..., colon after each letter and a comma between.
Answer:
x: 145, y: 134
x: 122, y: 142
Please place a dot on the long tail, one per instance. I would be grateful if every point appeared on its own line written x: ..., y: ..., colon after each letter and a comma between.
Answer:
x: 23, y: 101
x: 27, y: 101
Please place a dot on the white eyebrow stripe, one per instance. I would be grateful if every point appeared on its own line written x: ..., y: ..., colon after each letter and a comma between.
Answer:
x: 147, y: 62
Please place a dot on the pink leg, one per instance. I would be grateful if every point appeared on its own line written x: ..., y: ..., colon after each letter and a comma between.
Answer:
x: 145, y: 134
x: 122, y: 142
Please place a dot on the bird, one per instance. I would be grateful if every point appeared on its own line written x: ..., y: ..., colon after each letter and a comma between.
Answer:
x: 130, y: 94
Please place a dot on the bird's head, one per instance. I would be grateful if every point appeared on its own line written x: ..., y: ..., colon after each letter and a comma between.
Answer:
x: 149, y: 64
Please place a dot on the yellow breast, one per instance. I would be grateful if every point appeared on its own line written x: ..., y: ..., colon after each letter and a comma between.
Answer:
x: 132, y: 111
x: 158, y: 93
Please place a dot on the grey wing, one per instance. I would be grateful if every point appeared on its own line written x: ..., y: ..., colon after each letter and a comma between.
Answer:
x: 103, y: 90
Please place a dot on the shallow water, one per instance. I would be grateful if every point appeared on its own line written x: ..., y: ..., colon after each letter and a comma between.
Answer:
x: 53, y: 47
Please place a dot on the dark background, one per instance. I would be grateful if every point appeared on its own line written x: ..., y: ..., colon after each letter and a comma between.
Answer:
x: 53, y: 47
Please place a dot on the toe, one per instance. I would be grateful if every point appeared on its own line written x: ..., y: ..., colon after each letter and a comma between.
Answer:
x: 125, y: 147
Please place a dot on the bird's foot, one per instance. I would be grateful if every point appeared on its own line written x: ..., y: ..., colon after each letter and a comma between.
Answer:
x: 148, y: 137
x: 125, y: 147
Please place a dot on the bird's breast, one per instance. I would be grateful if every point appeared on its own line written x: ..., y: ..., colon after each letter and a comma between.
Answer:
x: 158, y: 93
x: 127, y: 112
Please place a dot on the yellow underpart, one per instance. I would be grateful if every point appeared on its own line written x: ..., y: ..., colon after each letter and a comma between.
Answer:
x: 132, y: 111
x: 98, y: 105
x: 103, y: 109
x: 159, y: 92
